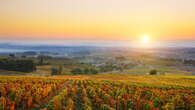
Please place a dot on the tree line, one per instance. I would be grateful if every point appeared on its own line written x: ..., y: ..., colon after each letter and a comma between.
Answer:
x: 21, y: 65
x: 86, y: 70
x: 189, y: 62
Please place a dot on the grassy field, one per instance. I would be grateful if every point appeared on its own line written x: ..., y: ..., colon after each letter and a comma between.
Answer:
x: 97, y: 92
x: 163, y: 66
x: 166, y: 70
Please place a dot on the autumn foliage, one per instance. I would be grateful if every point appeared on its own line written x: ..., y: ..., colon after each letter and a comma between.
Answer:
x: 98, y: 93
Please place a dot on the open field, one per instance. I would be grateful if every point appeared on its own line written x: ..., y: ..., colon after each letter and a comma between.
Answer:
x: 97, y: 92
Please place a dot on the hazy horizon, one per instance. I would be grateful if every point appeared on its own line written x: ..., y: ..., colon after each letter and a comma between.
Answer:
x: 102, y: 43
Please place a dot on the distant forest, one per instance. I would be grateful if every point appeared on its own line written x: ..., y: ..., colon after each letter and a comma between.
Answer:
x: 20, y: 65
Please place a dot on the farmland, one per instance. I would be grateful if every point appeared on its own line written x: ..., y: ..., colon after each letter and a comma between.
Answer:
x: 97, y: 92
x: 97, y: 55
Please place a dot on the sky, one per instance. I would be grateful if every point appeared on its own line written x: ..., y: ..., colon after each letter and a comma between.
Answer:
x: 45, y: 21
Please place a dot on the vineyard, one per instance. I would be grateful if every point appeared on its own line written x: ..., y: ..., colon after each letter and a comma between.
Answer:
x: 97, y: 92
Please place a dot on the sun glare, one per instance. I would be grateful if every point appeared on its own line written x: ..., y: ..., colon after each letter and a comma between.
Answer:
x: 145, y: 38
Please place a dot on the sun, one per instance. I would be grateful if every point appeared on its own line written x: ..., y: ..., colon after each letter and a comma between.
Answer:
x: 145, y: 38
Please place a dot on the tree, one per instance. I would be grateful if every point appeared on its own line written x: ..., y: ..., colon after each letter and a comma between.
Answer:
x: 93, y: 71
x: 57, y: 71
x: 153, y: 72
x: 54, y: 71
x: 86, y: 71
x: 17, y: 65
x: 12, y: 55
x: 60, y: 69
x: 77, y: 71
x: 41, y: 61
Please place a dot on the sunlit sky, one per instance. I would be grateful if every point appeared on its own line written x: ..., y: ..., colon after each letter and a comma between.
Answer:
x: 103, y: 20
